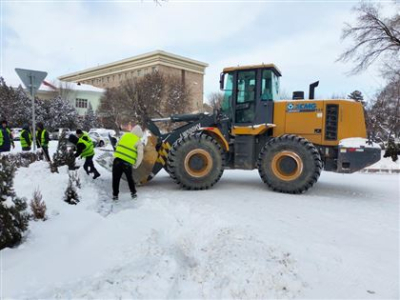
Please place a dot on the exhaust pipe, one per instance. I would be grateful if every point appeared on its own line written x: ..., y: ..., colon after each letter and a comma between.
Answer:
x: 312, y: 89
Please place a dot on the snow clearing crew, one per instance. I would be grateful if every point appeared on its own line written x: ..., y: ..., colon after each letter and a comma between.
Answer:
x: 42, y: 140
x: 85, y: 148
x: 6, y: 138
x: 26, y: 138
x: 128, y: 154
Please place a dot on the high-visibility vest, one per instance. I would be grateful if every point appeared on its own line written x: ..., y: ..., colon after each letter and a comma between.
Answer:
x: 25, y: 143
x: 85, y: 134
x: 89, y: 147
x: 42, y: 139
x: 126, y: 148
x: 2, y: 138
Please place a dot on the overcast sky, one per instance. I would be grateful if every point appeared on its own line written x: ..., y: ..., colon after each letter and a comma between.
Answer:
x: 301, y: 38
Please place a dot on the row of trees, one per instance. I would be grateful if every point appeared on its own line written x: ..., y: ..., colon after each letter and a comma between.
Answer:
x: 16, y: 108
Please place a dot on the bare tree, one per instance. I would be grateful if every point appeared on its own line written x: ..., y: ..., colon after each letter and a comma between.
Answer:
x: 138, y: 99
x: 177, y: 98
x: 373, y: 36
x: 384, y: 114
x: 215, y: 100
x: 111, y: 109
x: 207, y: 108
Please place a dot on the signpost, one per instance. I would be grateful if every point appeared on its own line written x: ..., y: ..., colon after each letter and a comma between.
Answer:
x: 32, y: 81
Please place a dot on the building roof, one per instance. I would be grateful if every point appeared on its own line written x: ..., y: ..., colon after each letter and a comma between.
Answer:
x: 149, y: 59
x: 55, y: 85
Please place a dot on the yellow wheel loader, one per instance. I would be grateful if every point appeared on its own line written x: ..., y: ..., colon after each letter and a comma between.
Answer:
x: 288, y: 141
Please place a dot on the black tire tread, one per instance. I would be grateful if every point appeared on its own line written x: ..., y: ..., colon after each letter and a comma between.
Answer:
x: 304, y: 143
x: 173, y: 159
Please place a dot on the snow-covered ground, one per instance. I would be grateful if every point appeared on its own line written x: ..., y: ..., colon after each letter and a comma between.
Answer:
x: 237, y: 240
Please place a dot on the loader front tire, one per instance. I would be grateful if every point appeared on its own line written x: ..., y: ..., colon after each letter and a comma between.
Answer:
x: 196, y: 162
x: 289, y: 164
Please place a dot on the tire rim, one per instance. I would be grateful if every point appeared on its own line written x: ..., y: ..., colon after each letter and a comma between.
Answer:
x: 198, y: 163
x: 287, y: 165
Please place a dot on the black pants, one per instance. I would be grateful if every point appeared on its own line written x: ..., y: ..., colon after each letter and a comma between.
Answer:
x: 89, y: 165
x: 5, y: 148
x: 119, y: 167
x: 46, y: 153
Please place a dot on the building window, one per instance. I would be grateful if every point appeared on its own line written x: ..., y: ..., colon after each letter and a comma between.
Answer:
x: 139, y: 72
x: 154, y: 69
x: 81, y: 103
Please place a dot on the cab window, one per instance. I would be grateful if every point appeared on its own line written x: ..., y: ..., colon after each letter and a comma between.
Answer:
x: 269, y: 86
x: 246, y: 86
x: 226, y: 105
x: 246, y: 97
x: 266, y: 85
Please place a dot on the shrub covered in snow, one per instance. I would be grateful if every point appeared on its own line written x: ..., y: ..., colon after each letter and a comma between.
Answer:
x: 63, y: 156
x: 13, y: 218
x: 74, y: 177
x: 21, y: 159
x: 71, y: 196
x: 38, y: 206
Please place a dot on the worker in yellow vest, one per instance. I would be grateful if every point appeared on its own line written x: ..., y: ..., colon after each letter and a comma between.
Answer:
x: 42, y: 140
x: 85, y: 149
x: 26, y: 138
x: 128, y: 154
x: 6, y: 137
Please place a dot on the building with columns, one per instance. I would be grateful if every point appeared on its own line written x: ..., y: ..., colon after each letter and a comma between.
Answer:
x: 113, y: 74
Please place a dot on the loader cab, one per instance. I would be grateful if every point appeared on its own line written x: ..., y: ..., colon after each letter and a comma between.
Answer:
x: 249, y: 93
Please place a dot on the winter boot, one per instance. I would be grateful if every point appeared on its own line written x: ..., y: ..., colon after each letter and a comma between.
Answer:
x: 115, y: 198
x: 96, y: 174
x: 134, y: 196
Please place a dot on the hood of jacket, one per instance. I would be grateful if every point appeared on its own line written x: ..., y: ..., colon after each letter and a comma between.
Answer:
x: 137, y: 130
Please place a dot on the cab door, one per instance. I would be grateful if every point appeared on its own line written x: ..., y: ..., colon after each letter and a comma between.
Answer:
x: 245, y: 98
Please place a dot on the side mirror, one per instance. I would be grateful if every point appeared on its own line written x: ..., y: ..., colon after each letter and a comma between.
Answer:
x: 221, y: 81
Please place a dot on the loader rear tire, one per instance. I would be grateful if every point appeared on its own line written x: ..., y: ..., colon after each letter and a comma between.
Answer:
x: 289, y: 164
x: 196, y: 162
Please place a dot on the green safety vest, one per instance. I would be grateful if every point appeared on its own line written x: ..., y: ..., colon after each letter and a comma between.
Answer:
x: 2, y: 138
x: 42, y: 140
x: 126, y: 148
x: 89, y: 147
x: 26, y: 143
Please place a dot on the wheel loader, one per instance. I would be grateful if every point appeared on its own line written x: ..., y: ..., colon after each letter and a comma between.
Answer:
x: 288, y: 141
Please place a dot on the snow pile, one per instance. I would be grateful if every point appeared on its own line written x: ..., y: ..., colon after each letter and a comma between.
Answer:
x: 357, y: 143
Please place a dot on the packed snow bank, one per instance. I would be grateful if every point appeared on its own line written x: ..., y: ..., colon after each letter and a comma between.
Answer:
x: 357, y: 143
x: 237, y: 240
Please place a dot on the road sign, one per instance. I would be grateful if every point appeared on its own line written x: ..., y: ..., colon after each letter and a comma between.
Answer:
x: 31, y: 79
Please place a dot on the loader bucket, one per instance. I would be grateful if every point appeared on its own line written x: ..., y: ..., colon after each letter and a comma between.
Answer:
x: 149, y: 167
x: 143, y: 174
